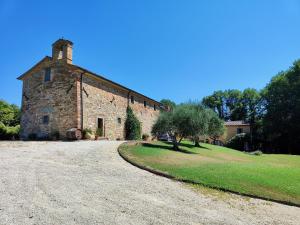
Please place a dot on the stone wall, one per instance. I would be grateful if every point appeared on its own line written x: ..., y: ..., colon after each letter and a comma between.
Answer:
x: 102, y: 99
x: 56, y: 98
x: 60, y: 99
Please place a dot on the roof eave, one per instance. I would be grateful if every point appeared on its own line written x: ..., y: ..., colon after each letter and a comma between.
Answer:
x: 41, y: 61
x: 119, y: 85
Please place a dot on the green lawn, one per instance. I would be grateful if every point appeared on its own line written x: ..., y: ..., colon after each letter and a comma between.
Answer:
x: 269, y: 176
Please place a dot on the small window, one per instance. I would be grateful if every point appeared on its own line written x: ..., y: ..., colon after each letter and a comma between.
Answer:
x: 154, y: 107
x: 45, y: 119
x: 119, y: 120
x: 132, y: 99
x: 47, y: 75
x: 239, y: 130
x: 145, y: 104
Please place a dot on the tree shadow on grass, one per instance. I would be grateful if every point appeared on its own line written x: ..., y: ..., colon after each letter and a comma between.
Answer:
x: 167, y: 147
x: 192, y: 146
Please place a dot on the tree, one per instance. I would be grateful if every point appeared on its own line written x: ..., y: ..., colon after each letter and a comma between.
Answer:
x: 216, y: 102
x: 227, y: 104
x: 281, y: 121
x: 237, y: 105
x: 215, y: 126
x: 186, y: 120
x: 251, y: 101
x: 168, y: 103
x: 9, y: 114
x: 132, y: 126
x: 234, y: 103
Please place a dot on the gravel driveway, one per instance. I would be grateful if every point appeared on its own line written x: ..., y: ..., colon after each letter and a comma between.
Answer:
x: 59, y: 183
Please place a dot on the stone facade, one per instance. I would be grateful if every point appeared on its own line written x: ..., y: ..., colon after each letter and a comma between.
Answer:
x: 58, y: 95
x: 109, y: 102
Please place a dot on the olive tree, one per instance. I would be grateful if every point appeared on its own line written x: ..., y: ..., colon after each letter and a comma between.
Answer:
x: 186, y: 120
x: 215, y: 126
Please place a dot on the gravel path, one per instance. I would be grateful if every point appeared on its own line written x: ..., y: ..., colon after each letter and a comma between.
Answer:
x: 59, y: 183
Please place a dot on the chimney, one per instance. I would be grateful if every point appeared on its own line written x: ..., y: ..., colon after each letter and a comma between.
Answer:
x: 62, y: 50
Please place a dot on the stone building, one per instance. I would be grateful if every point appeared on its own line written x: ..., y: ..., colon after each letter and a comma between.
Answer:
x: 58, y: 95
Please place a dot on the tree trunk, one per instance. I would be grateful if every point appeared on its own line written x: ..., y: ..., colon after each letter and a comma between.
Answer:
x: 196, y: 139
x: 176, y: 144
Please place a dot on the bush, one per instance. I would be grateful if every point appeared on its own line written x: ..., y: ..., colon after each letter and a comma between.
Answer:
x: 2, y: 131
x: 238, y: 141
x: 145, y: 137
x: 99, y: 132
x: 9, y: 133
x: 132, y: 126
x: 87, y: 133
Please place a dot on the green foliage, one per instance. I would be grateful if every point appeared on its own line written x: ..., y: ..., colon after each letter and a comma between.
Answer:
x: 235, y: 104
x: 270, y: 176
x: 168, y: 103
x: 238, y: 141
x: 217, y: 102
x: 216, y: 126
x: 9, y: 132
x: 86, y: 132
x: 186, y: 120
x: 9, y: 121
x: 240, y: 105
x: 99, y: 132
x: 282, y: 119
x: 132, y: 126
x: 163, y: 124
x: 9, y: 114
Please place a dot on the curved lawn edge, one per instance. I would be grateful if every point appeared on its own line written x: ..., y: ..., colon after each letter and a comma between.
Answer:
x: 166, y: 175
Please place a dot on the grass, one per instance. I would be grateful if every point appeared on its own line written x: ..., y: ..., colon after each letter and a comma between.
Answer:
x: 270, y: 176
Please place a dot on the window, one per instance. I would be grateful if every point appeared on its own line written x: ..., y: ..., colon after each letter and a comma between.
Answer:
x: 119, y: 120
x: 45, y: 120
x: 132, y: 99
x: 145, y: 104
x: 239, y: 130
x: 47, y: 75
x: 154, y: 107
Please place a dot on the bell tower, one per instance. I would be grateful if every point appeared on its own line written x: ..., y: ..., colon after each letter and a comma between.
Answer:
x: 62, y: 50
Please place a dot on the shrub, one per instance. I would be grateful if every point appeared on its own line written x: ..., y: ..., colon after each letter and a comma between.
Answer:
x: 238, y: 141
x: 99, y: 132
x: 145, y: 137
x: 87, y: 133
x: 2, y: 131
x: 9, y: 133
x: 132, y: 126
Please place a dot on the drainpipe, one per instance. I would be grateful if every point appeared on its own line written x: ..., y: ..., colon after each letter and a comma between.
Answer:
x: 81, y: 101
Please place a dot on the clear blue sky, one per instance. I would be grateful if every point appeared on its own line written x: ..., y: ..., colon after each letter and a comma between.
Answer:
x: 177, y: 49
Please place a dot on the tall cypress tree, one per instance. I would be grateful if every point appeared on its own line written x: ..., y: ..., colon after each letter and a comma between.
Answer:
x: 132, y: 126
